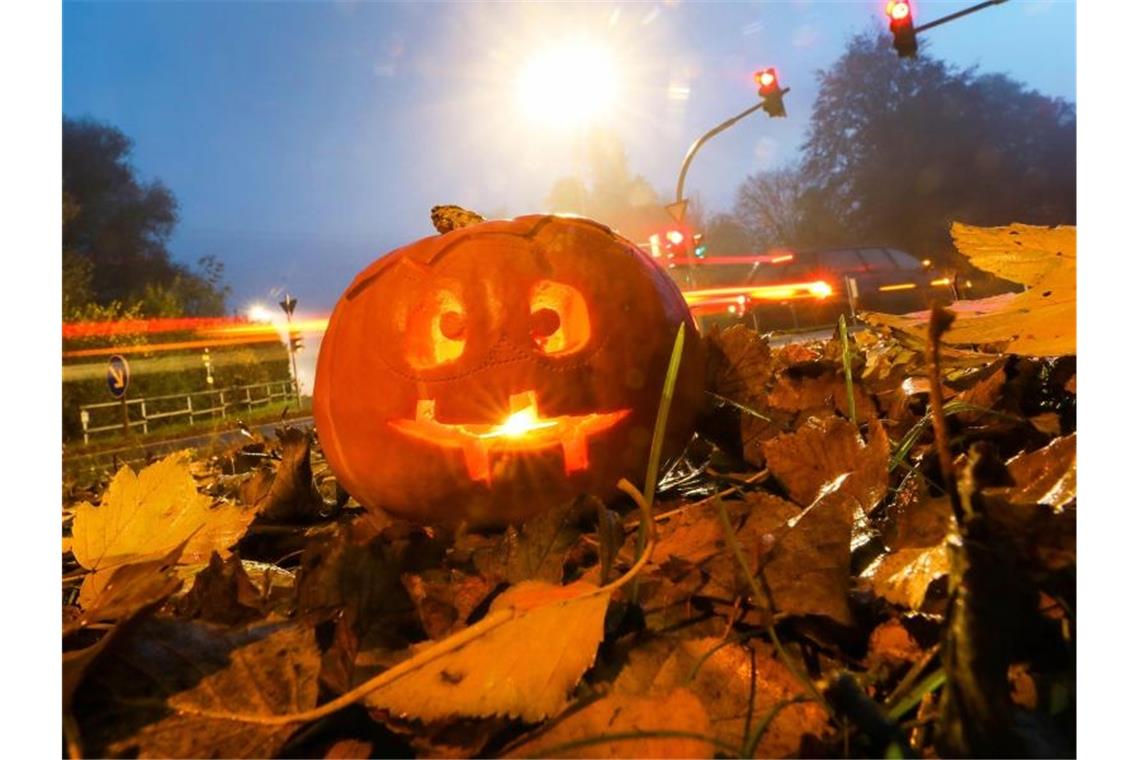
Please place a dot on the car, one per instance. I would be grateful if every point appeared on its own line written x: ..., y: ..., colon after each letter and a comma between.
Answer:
x: 872, y: 278
x: 785, y: 288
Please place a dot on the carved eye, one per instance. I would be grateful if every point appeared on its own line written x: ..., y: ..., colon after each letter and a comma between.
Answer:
x: 559, y: 320
x: 437, y: 330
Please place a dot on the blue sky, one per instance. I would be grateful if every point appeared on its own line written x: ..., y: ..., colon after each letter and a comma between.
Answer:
x: 304, y: 139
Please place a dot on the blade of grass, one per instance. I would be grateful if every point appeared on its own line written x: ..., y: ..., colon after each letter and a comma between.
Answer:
x: 757, y: 734
x: 924, y: 687
x: 846, y: 346
x: 759, y: 593
x: 663, y: 417
x: 658, y: 441
x: 741, y: 407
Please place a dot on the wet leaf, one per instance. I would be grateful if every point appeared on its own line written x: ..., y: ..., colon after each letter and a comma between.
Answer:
x: 155, y: 692
x: 523, y: 668
x: 823, y: 449
x: 678, y: 710
x: 903, y: 576
x: 1046, y: 476
x: 145, y: 516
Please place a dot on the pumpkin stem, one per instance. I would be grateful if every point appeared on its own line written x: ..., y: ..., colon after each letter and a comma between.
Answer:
x: 448, y: 218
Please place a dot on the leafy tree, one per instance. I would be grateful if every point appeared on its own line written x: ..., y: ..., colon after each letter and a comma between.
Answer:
x: 726, y: 235
x: 899, y: 149
x: 116, y: 228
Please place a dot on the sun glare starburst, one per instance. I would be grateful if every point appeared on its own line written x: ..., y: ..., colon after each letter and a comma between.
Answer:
x: 568, y: 85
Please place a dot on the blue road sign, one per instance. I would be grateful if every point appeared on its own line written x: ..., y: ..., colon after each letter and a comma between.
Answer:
x: 118, y: 376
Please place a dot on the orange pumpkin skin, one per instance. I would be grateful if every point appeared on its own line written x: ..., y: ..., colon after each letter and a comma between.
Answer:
x: 490, y: 373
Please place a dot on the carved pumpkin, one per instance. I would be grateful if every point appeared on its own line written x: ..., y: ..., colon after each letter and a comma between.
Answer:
x: 493, y: 371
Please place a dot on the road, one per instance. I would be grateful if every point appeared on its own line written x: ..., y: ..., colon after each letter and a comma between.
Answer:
x: 137, y: 454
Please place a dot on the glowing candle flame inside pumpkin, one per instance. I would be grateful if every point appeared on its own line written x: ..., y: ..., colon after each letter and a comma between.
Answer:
x: 523, y: 430
x: 520, y: 423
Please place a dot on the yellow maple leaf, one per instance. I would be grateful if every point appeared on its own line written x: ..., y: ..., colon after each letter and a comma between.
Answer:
x: 1042, y: 321
x: 523, y: 668
x: 145, y: 516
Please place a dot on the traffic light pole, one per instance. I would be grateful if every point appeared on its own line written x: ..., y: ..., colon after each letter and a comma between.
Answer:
x: 958, y: 14
x: 697, y: 146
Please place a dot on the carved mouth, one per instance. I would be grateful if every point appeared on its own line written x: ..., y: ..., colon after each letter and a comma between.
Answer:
x: 524, y: 430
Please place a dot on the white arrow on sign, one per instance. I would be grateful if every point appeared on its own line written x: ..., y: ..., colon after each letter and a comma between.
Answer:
x: 116, y: 376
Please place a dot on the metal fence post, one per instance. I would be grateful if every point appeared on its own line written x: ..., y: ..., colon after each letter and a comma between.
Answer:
x: 222, y: 401
x: 190, y: 407
x: 146, y: 426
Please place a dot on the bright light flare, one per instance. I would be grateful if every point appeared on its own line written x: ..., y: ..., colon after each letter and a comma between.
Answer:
x: 898, y: 9
x: 520, y: 423
x: 569, y: 85
x: 676, y: 237
x: 258, y: 312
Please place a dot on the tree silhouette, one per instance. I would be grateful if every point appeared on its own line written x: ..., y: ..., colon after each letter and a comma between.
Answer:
x: 115, y: 232
x: 899, y: 149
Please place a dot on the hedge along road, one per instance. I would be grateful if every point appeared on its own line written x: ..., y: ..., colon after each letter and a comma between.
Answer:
x: 138, y: 454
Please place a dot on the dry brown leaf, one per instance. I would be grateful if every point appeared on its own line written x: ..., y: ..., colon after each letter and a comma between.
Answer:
x: 736, y: 681
x: 145, y: 516
x: 1042, y: 320
x: 130, y: 588
x: 903, y: 576
x: 823, y: 449
x: 767, y: 518
x: 182, y: 675
x: 222, y: 593
x: 287, y: 494
x: 740, y: 365
x: 800, y: 393
x: 808, y: 571
x: 892, y: 645
x: 679, y: 710
x: 523, y: 668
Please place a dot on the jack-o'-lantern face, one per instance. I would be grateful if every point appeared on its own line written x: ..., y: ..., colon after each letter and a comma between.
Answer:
x: 487, y: 373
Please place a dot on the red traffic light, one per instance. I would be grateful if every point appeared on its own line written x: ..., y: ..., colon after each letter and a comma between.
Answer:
x: 898, y: 10
x: 901, y: 17
x: 767, y: 82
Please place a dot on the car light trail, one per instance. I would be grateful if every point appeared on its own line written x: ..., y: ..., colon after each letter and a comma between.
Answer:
x: 897, y: 286
x: 172, y: 346
x: 817, y: 289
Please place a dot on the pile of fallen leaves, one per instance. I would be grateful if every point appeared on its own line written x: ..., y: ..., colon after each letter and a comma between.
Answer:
x: 805, y: 584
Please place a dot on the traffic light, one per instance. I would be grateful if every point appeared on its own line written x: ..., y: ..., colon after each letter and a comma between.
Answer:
x: 699, y: 245
x: 677, y: 243
x: 901, y: 17
x: 294, y: 341
x: 768, y: 88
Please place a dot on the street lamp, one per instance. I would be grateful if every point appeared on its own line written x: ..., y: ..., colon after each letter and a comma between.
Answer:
x: 287, y: 306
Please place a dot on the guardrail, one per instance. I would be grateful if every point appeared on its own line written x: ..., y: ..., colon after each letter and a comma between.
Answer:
x: 157, y: 410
